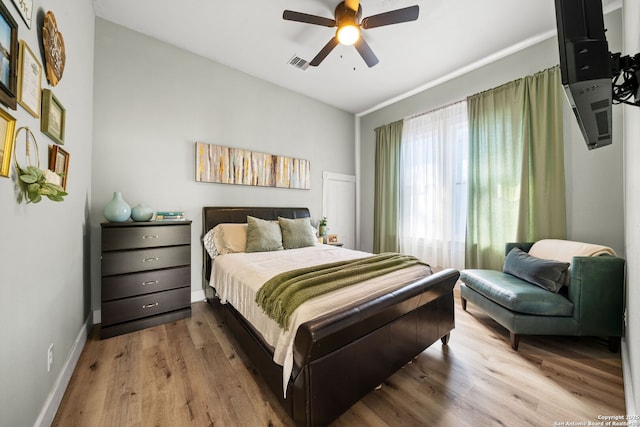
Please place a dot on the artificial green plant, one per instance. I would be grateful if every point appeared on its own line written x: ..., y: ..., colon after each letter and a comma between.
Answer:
x: 38, y: 183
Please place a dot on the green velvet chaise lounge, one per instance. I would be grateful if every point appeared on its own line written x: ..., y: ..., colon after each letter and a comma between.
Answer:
x: 589, y: 303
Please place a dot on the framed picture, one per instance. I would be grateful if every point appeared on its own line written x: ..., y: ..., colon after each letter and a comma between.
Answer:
x: 332, y: 238
x: 29, y: 80
x: 53, y: 117
x: 59, y: 163
x: 7, y: 126
x: 8, y: 58
x: 25, y: 7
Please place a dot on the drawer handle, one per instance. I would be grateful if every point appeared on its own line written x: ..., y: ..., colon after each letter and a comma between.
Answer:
x: 150, y: 259
x: 155, y: 304
x: 150, y: 282
x: 154, y: 236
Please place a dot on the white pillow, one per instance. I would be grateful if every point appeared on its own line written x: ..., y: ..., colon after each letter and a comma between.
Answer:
x: 209, y: 243
x: 230, y: 238
x: 226, y: 239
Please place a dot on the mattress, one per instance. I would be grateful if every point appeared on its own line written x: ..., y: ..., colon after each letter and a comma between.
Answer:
x: 237, y: 277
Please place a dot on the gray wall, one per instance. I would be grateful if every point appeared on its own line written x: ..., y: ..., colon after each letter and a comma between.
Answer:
x: 595, y: 189
x: 154, y: 101
x: 631, y: 344
x: 44, y: 276
x: 594, y: 178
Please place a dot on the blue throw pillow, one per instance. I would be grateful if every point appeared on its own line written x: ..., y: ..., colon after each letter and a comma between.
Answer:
x: 547, y: 274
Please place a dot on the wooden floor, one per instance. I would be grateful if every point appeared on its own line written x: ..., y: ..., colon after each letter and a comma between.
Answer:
x: 188, y: 373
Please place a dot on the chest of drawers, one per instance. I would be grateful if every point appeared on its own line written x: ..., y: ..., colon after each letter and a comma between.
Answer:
x: 146, y: 275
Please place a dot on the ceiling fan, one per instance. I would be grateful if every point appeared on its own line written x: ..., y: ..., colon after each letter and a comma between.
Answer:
x: 347, y: 19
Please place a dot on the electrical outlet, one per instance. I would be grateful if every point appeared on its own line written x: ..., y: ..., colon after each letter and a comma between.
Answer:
x: 50, y: 358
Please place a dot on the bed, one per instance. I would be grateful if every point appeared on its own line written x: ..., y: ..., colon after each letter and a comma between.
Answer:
x: 339, y: 357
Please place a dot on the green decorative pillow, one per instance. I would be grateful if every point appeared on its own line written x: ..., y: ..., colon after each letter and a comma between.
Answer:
x: 263, y: 236
x: 547, y: 274
x: 297, y: 233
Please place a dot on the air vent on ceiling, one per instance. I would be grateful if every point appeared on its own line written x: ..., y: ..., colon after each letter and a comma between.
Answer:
x: 299, y: 63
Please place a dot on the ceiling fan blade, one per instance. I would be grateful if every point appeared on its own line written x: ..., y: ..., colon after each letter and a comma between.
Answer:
x: 326, y: 50
x: 352, y: 4
x: 365, y: 51
x: 393, y: 17
x: 291, y: 15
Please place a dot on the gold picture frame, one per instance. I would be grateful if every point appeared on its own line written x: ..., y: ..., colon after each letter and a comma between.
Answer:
x: 52, y: 122
x: 29, y: 80
x: 59, y: 163
x: 7, y: 126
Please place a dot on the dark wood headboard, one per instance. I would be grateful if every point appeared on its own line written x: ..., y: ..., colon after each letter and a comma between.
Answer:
x: 214, y: 215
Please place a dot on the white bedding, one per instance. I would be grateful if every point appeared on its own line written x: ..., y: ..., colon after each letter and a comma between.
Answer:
x: 237, y: 277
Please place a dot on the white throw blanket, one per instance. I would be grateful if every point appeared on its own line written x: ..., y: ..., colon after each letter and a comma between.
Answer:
x: 565, y: 250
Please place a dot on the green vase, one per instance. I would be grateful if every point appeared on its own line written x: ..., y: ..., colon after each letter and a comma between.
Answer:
x: 141, y: 213
x: 117, y: 210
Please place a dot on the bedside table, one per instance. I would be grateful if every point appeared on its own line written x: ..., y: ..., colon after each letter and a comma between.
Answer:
x: 146, y: 275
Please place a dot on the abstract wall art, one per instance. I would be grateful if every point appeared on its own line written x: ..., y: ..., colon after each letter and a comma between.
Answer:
x: 229, y: 165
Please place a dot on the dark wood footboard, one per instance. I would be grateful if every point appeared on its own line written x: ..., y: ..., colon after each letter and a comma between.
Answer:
x: 339, y: 358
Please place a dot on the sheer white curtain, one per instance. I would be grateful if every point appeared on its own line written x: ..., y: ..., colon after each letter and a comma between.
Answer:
x: 433, y: 186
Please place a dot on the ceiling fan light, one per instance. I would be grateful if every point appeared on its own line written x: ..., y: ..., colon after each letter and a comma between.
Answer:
x: 348, y: 34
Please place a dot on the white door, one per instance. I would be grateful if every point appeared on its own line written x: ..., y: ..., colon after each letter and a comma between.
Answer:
x: 339, y: 206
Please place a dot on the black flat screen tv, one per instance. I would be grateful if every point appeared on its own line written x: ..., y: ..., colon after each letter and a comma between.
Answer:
x: 585, y: 66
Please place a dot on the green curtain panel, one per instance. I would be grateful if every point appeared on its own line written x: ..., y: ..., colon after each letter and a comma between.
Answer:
x: 516, y: 167
x: 387, y: 188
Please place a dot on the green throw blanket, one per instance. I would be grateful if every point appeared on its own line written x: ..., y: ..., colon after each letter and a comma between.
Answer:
x: 285, y: 292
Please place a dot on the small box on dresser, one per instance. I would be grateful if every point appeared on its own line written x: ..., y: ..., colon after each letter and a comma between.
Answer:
x: 146, y: 275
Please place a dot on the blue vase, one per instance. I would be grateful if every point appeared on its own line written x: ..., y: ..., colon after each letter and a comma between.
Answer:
x: 117, y: 210
x: 141, y: 213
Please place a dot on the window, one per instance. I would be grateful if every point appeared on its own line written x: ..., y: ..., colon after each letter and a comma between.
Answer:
x: 433, y: 186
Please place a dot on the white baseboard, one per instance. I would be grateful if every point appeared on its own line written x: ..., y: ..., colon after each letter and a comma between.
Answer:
x: 629, y: 396
x: 56, y: 394
x: 196, y: 296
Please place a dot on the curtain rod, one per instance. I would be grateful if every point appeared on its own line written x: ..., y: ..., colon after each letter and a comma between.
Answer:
x: 435, y: 109
x: 462, y: 100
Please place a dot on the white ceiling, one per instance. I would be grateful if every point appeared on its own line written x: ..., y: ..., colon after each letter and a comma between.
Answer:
x: 251, y: 36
